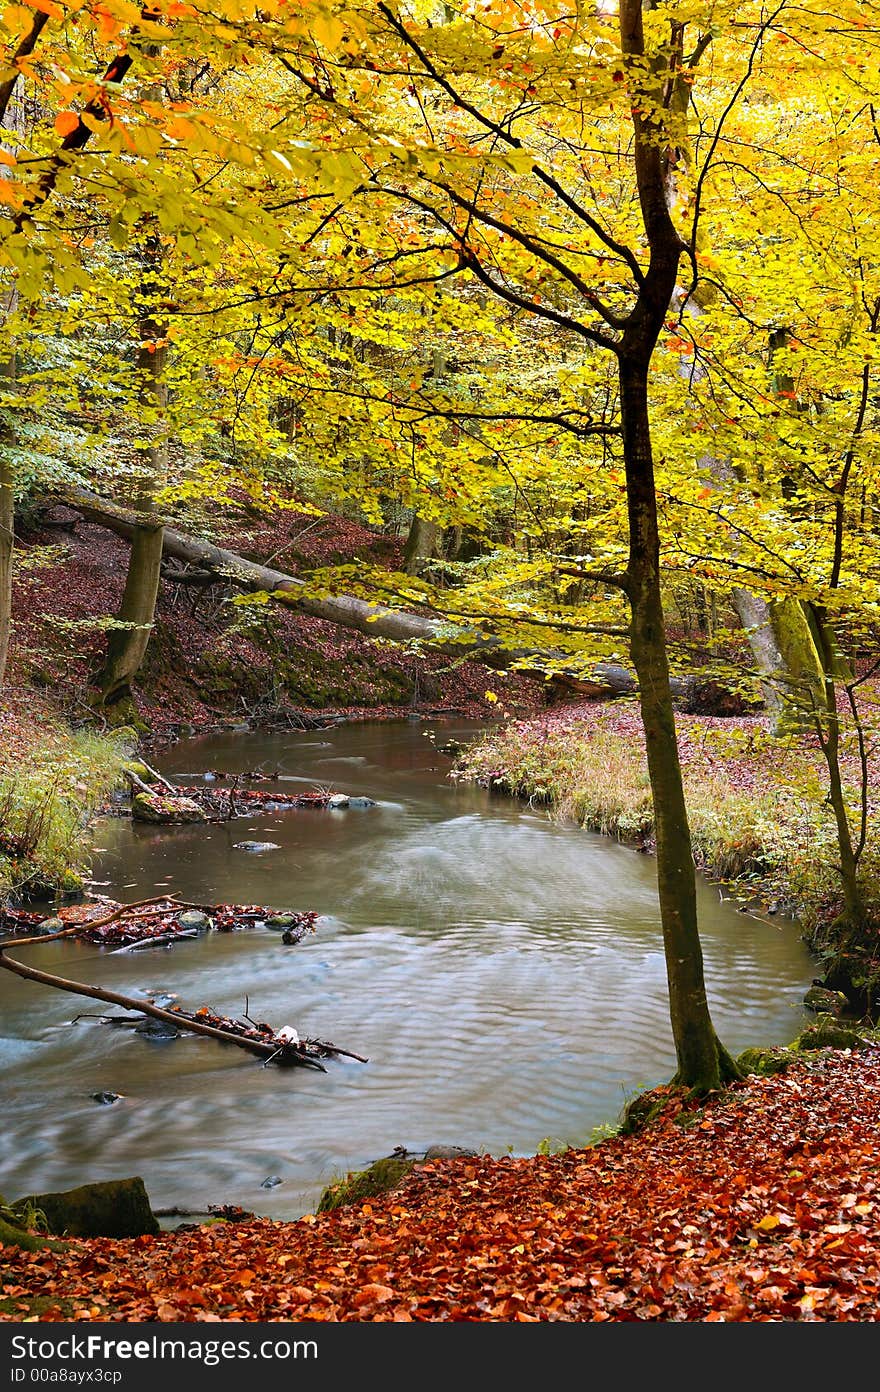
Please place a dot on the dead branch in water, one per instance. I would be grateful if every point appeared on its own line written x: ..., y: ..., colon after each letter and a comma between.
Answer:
x: 255, y: 1037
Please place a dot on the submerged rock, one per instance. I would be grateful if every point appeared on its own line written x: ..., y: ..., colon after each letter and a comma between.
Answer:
x: 106, y: 1099
x: 281, y: 920
x: 157, y: 1029
x: 194, y: 918
x: 256, y: 847
x: 360, y: 802
x: 271, y: 1181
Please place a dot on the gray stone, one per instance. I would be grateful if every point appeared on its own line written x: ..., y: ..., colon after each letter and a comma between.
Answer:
x: 162, y: 809
x: 271, y: 1181
x: 106, y: 1099
x: 194, y: 918
x: 361, y: 802
x: 339, y: 800
x: 257, y: 846
x: 51, y: 925
x: 157, y: 1029
x: 448, y: 1152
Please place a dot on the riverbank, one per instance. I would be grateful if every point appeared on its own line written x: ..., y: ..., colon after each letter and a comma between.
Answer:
x: 760, y: 821
x: 761, y: 1205
x: 53, y: 780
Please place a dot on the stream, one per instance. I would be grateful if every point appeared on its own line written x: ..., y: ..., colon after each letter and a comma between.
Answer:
x: 503, y: 973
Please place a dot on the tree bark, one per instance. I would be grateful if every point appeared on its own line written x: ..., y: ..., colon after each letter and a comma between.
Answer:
x: 422, y: 545
x: 12, y: 125
x: 7, y: 519
x: 703, y: 1063
x: 127, y: 644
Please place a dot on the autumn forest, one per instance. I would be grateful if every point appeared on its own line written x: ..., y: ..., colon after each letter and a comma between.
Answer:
x: 439, y: 442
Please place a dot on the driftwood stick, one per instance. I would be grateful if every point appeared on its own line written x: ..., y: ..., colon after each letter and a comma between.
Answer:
x: 160, y: 940
x: 92, y: 923
x: 266, y: 1049
x: 178, y: 1019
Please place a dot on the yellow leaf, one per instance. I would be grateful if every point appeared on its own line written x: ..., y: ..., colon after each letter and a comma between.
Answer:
x: 768, y: 1222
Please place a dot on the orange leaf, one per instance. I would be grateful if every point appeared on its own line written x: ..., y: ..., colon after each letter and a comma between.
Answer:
x: 65, y: 122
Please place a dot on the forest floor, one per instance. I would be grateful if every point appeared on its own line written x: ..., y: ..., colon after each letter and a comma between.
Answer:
x: 761, y: 1204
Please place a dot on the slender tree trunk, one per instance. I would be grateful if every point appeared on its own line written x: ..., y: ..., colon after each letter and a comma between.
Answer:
x: 12, y: 125
x: 827, y: 725
x: 7, y: 518
x: 703, y: 1063
x: 127, y: 644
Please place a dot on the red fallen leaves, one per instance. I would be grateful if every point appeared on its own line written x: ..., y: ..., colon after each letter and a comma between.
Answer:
x: 670, y: 1225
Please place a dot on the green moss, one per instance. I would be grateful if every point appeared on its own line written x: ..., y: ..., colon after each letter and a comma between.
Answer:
x: 362, y: 1185
x: 641, y: 1111
x: 34, y: 1307
x: 139, y: 770
x: 112, y: 1208
x: 765, y: 1062
x: 828, y: 1033
x: 13, y: 1236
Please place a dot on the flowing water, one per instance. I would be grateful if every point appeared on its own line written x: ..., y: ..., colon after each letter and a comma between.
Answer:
x: 503, y: 974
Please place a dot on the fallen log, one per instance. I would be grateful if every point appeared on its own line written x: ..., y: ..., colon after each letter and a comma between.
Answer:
x: 263, y: 1041
x: 607, y: 679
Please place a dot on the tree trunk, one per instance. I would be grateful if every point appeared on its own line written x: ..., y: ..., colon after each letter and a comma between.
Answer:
x: 785, y: 654
x: 12, y: 122
x: 827, y: 724
x: 127, y: 644
x: 422, y: 544
x: 7, y: 518
x: 703, y: 1063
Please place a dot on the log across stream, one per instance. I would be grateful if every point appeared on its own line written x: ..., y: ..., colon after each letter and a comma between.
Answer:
x: 503, y: 975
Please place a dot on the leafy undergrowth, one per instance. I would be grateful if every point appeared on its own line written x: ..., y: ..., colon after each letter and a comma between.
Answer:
x: 761, y: 1205
x: 52, y: 781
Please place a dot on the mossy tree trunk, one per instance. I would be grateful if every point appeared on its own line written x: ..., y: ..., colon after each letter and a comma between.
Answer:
x: 7, y: 518
x: 785, y: 651
x: 127, y: 643
x: 703, y: 1062
x: 422, y: 545
x: 12, y: 126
